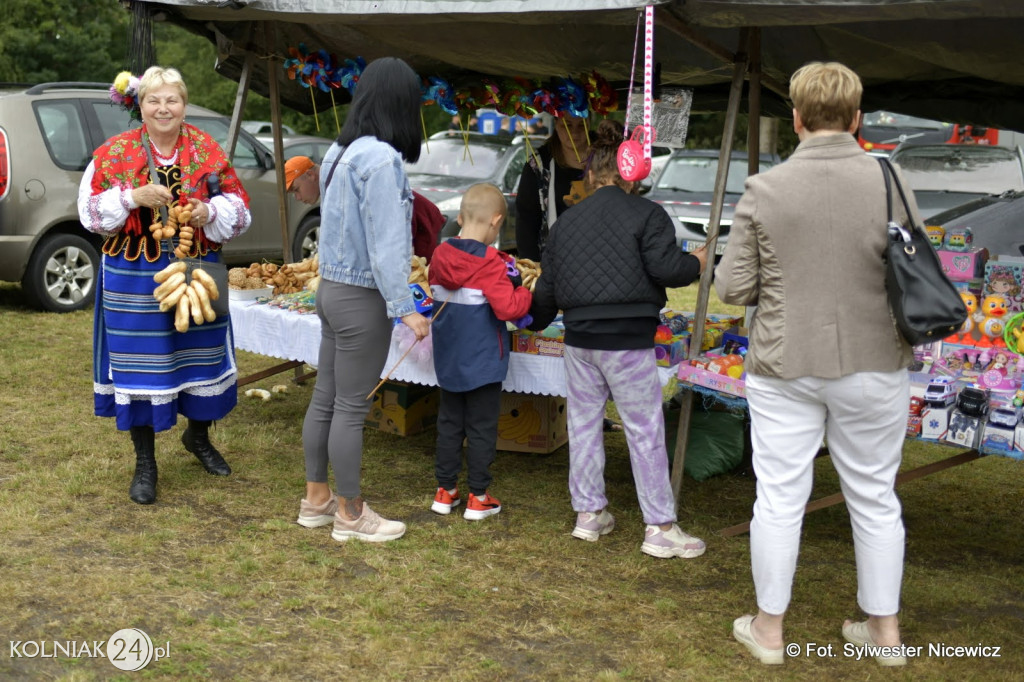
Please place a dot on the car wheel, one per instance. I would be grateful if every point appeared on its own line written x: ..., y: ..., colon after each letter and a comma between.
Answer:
x: 307, y: 238
x: 61, y: 274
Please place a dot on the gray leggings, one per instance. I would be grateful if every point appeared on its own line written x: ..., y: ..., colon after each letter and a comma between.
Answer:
x: 355, y: 335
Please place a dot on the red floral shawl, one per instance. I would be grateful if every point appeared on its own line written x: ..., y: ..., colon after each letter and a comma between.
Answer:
x: 121, y: 162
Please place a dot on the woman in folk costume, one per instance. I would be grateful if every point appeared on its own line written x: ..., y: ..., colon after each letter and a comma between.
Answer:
x: 145, y: 371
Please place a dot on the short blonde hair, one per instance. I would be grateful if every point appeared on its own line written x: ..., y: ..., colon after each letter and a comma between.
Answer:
x: 156, y: 77
x: 826, y: 94
x: 481, y: 202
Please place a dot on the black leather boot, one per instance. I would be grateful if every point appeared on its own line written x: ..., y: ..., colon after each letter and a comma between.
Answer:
x: 196, y: 439
x: 143, y: 488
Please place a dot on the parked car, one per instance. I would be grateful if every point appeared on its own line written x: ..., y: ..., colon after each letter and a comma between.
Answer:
x: 685, y: 188
x: 943, y: 176
x: 258, y: 128
x: 300, y: 145
x: 995, y: 223
x: 47, y: 135
x: 451, y: 161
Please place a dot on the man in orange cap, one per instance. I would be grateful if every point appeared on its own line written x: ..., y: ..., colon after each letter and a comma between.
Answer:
x: 302, y: 179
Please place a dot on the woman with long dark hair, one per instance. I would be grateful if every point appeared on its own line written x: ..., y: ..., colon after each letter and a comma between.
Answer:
x: 365, y: 256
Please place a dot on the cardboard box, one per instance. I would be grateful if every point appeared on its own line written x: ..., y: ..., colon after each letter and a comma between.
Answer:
x: 671, y: 353
x: 532, y: 423
x: 964, y: 430
x: 963, y: 265
x: 529, y: 342
x: 914, y: 425
x: 718, y: 382
x: 935, y: 422
x: 997, y: 439
x: 1018, y: 440
x: 404, y: 408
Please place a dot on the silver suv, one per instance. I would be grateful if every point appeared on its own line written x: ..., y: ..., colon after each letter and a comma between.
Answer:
x: 47, y: 135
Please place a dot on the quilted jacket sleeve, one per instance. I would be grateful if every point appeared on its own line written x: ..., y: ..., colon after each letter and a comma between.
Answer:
x: 663, y: 260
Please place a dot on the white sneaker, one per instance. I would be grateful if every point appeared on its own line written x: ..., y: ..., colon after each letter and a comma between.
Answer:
x: 312, y: 516
x: 369, y: 527
x: 591, y: 526
x: 670, y: 543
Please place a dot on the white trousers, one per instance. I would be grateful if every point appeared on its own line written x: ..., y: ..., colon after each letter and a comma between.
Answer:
x: 864, y: 418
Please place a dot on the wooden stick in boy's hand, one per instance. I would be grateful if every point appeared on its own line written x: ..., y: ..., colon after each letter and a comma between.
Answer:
x: 406, y: 353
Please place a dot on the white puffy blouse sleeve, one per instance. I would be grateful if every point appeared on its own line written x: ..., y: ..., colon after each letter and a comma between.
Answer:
x: 104, y: 213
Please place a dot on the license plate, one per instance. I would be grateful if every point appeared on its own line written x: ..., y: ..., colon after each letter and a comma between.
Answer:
x: 690, y: 245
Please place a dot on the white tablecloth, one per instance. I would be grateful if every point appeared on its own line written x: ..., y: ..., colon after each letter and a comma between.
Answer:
x: 288, y: 335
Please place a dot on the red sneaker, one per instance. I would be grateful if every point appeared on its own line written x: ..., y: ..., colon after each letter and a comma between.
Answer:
x: 444, y: 501
x: 481, y: 507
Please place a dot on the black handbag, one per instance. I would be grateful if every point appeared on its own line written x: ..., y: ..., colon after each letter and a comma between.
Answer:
x: 924, y: 302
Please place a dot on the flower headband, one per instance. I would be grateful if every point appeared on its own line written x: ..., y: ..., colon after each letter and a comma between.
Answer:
x: 124, y: 92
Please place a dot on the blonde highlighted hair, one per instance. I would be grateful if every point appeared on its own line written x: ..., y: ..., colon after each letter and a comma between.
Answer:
x: 156, y: 77
x: 826, y: 94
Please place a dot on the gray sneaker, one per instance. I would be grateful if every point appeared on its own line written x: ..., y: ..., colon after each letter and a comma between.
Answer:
x: 369, y: 527
x: 591, y: 526
x: 314, y: 516
x: 670, y: 543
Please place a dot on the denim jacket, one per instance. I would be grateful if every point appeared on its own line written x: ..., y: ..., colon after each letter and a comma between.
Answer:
x: 365, y: 225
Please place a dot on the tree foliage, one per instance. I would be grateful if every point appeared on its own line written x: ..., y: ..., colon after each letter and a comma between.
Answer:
x: 61, y: 40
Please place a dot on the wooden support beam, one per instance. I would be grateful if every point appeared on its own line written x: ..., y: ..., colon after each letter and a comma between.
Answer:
x: 244, y: 81
x: 275, y: 118
x: 704, y: 288
x: 673, y: 23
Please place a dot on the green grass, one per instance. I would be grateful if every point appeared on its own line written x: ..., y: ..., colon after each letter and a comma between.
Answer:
x: 219, y: 569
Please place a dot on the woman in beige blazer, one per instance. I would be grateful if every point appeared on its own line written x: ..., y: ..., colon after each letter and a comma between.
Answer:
x: 825, y: 357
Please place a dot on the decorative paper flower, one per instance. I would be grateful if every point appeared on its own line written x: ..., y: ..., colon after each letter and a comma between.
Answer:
x: 348, y: 75
x: 440, y: 92
x: 465, y: 101
x: 296, y: 62
x: 124, y: 92
x: 602, y: 96
x: 571, y: 98
x: 547, y: 101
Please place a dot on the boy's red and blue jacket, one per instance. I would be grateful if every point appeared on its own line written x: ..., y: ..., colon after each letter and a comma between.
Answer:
x: 471, y: 342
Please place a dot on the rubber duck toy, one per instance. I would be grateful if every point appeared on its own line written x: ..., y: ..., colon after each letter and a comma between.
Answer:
x: 963, y: 335
x: 993, y: 309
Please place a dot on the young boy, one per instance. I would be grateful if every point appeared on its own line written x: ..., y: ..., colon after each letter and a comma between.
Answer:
x: 471, y: 348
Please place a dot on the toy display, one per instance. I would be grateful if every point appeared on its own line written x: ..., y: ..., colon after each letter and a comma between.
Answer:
x: 959, y: 239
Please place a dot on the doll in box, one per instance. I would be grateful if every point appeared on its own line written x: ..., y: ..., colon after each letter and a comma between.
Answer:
x: 1004, y: 280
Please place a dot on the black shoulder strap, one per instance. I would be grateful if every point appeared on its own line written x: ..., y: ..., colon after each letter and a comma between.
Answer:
x: 888, y: 189
x: 888, y: 171
x: 330, y: 173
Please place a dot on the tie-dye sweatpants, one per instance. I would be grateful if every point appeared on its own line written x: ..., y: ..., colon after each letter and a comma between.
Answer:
x: 630, y: 378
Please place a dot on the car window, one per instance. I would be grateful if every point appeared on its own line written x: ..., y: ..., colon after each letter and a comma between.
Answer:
x: 217, y: 128
x: 515, y: 170
x: 314, y: 150
x: 956, y: 169
x: 697, y: 174
x: 113, y: 119
x: 455, y: 158
x: 64, y: 133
